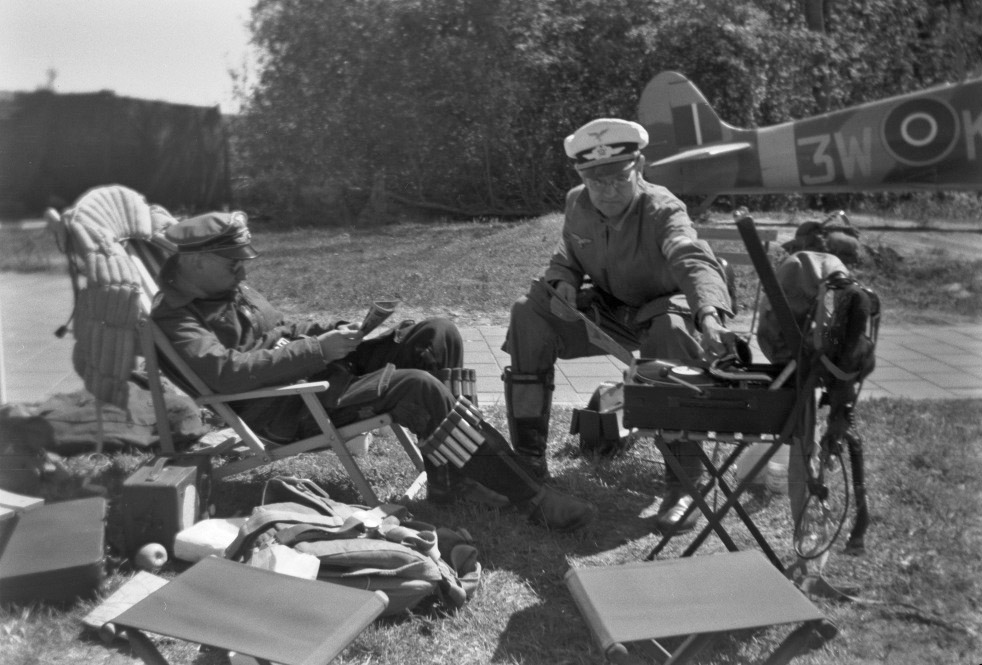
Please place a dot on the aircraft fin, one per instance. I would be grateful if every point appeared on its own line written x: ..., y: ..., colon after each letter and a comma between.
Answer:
x: 678, y: 118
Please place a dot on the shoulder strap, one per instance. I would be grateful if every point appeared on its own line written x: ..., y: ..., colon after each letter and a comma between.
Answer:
x: 310, y: 494
x: 860, y: 307
x: 264, y: 518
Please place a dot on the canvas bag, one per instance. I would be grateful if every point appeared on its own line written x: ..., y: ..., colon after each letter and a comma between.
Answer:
x: 838, y: 317
x: 378, y: 549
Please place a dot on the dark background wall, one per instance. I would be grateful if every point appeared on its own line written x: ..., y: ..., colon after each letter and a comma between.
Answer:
x: 54, y: 147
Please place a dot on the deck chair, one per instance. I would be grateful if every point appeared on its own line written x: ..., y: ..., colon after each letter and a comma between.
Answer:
x: 733, y: 418
x: 117, y: 247
x: 671, y: 610
x: 271, y: 617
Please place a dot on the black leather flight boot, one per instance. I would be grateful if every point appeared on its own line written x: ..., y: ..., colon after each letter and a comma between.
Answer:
x: 528, y: 403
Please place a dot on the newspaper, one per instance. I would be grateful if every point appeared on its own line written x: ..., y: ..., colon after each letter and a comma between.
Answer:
x: 378, y: 313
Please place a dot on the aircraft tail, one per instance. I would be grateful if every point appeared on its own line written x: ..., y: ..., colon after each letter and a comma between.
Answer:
x: 678, y: 118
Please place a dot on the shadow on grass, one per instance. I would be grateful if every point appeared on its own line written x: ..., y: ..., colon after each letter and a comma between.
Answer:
x: 921, y: 570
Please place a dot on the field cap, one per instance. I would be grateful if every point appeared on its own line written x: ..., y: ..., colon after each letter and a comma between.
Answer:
x: 606, y: 141
x: 222, y: 233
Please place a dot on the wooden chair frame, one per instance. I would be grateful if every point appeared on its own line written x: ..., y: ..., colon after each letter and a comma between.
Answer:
x: 146, y: 256
x: 255, y: 451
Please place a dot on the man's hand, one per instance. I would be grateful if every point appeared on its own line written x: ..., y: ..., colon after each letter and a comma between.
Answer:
x: 717, y: 340
x: 337, y: 343
x: 567, y: 292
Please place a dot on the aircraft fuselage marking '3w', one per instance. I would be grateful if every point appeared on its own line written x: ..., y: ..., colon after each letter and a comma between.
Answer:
x: 929, y: 139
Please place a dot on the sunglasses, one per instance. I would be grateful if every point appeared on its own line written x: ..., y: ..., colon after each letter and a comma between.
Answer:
x: 621, y: 180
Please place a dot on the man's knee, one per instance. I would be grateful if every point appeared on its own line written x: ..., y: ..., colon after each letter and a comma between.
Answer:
x: 417, y: 400
x: 670, y: 336
x: 522, y: 310
x: 432, y: 345
x: 444, y: 330
x: 530, y: 322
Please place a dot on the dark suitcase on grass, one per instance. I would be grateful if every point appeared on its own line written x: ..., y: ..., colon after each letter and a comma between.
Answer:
x: 55, y: 552
x: 671, y: 395
x: 601, y: 424
x: 163, y: 497
x: 21, y: 472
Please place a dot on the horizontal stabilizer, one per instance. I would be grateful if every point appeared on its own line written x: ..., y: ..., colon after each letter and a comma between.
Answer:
x: 704, y: 152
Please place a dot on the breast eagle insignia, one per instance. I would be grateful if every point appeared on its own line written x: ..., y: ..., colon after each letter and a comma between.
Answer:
x: 580, y: 240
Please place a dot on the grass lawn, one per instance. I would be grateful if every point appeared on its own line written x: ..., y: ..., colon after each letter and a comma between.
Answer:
x: 920, y: 581
x: 472, y: 272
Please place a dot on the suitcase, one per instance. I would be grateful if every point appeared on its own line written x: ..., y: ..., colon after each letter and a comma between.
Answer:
x: 670, y: 395
x: 601, y: 424
x: 12, y: 505
x: 21, y: 472
x: 55, y: 552
x: 162, y: 498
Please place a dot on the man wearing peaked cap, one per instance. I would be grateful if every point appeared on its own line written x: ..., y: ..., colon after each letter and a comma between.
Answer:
x: 630, y: 259
x: 235, y: 341
x: 605, y: 141
x: 223, y: 233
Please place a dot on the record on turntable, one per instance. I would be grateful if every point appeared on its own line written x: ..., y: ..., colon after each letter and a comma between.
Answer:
x: 671, y: 373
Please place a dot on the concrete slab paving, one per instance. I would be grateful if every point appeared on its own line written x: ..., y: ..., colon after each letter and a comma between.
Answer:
x: 916, y: 361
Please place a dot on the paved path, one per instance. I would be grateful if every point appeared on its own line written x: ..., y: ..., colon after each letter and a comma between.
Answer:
x: 917, y: 362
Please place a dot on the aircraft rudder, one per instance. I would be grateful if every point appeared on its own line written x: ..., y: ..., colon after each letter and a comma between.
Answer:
x: 677, y: 116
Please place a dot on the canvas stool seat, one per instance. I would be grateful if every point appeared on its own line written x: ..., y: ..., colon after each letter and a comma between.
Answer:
x: 274, y: 618
x: 690, y: 602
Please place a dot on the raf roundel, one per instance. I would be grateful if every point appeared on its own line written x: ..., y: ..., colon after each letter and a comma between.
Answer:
x: 920, y: 132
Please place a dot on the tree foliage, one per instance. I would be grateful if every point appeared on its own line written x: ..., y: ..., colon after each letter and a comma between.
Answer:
x: 463, y: 104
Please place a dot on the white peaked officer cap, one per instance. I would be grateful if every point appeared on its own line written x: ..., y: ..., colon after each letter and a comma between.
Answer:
x: 605, y: 141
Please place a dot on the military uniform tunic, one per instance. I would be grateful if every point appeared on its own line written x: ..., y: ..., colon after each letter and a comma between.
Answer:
x: 649, y: 271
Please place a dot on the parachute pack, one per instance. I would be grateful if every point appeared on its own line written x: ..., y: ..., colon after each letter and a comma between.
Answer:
x: 839, y: 321
x: 838, y: 316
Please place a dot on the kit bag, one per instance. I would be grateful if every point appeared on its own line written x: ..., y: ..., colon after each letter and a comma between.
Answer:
x: 377, y: 549
x: 601, y: 424
x: 838, y: 318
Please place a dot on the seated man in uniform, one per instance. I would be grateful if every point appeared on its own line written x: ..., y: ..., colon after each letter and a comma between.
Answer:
x: 236, y: 341
x: 655, y: 287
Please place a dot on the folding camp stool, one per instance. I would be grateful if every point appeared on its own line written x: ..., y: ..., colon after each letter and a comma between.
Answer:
x: 714, y: 516
x: 273, y: 618
x: 690, y: 602
x: 673, y: 412
x: 730, y: 417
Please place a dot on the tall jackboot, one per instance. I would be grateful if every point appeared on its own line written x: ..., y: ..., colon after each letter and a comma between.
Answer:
x: 528, y: 403
x: 446, y: 484
x: 474, y: 457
